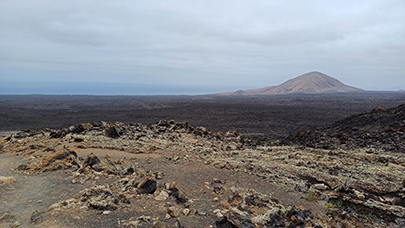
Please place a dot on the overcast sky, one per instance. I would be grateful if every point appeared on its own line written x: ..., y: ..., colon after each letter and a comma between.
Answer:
x: 194, y: 47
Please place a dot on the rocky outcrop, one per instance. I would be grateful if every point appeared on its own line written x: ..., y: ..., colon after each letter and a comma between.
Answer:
x: 378, y: 130
x: 350, y: 181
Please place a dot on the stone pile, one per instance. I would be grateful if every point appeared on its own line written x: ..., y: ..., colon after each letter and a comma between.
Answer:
x: 251, y: 209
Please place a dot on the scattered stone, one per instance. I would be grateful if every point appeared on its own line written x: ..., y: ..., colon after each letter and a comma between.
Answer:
x: 171, y: 185
x: 216, y: 180
x: 36, y: 217
x: 371, y: 178
x: 159, y: 175
x: 320, y: 186
x: 144, y: 218
x: 239, y: 218
x: 6, y: 217
x: 180, y: 196
x: 159, y: 224
x: 218, y: 190
x: 111, y: 132
x: 163, y: 195
x: 147, y: 186
x: 173, y: 212
x: 55, y: 213
x: 15, y: 224
x: 7, y: 180
x: 186, y: 211
x: 193, y: 211
x: 91, y: 160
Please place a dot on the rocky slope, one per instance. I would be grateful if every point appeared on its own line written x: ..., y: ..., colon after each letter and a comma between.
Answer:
x: 380, y: 130
x: 312, y: 82
x: 356, y: 188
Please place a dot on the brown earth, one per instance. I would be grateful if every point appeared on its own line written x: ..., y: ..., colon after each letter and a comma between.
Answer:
x: 83, y: 175
x: 37, y: 192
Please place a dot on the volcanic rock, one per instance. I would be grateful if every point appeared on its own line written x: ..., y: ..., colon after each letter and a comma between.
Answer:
x: 378, y: 130
x: 147, y: 186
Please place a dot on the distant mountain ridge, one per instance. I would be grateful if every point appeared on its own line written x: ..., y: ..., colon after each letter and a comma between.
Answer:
x: 312, y: 82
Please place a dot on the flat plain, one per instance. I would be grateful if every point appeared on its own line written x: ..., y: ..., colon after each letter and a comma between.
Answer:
x: 274, y: 116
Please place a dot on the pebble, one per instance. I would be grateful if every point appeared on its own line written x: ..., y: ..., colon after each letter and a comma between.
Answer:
x: 159, y: 175
x: 193, y: 211
x: 186, y: 211
x: 219, y: 215
x: 320, y: 186
x: 16, y: 224
x: 170, y: 186
x: 163, y: 195
x: 7, y: 180
x: 54, y: 213
x: 173, y: 212
x: 106, y: 212
x: 226, y: 204
x: 159, y: 224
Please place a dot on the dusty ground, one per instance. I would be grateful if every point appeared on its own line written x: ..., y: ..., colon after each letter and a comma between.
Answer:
x: 206, y: 179
x: 36, y: 192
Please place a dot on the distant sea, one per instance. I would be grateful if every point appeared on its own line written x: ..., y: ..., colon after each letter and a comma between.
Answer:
x: 96, y: 88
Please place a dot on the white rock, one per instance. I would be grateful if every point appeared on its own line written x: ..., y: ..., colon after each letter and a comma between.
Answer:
x: 219, y: 215
x: 186, y: 211
x: 7, y: 180
x: 359, y: 194
x: 52, y: 207
x: 16, y: 224
x: 163, y: 195
x: 320, y: 186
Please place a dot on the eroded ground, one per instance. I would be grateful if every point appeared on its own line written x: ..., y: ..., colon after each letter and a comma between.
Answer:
x: 174, y: 175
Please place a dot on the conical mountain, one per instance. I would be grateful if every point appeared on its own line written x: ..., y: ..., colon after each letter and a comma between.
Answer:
x: 312, y: 82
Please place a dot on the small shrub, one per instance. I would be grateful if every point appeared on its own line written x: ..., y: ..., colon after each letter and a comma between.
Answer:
x: 311, y: 196
x: 340, y: 203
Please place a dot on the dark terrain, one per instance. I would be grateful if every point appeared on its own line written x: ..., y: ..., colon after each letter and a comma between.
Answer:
x: 380, y: 129
x: 339, y: 161
x: 275, y: 116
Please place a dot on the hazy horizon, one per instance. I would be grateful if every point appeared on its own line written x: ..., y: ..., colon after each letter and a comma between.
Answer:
x: 197, y: 47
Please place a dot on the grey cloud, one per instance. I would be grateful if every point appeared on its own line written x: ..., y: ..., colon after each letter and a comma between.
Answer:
x: 239, y: 43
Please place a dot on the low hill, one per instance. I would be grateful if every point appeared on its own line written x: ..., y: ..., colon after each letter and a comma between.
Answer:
x: 312, y: 82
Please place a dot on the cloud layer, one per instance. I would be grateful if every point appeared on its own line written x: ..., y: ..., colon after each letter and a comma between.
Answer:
x: 211, y: 44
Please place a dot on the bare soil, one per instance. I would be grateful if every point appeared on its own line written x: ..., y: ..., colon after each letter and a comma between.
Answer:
x: 36, y: 192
